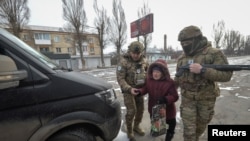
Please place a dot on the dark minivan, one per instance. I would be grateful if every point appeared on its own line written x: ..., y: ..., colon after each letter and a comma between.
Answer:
x: 39, y: 101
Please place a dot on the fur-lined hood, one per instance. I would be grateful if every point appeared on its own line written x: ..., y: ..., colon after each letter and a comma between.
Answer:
x: 162, y: 64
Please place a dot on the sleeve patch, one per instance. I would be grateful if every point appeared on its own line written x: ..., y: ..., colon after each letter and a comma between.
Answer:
x: 119, y: 68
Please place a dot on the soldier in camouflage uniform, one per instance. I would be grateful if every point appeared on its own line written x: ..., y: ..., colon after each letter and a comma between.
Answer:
x: 198, y: 86
x: 131, y: 74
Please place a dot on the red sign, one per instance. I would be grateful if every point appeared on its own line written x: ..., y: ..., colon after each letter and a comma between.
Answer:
x: 134, y: 29
x: 142, y: 26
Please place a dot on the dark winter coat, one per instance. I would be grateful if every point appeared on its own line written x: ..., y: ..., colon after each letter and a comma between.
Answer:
x: 161, y: 88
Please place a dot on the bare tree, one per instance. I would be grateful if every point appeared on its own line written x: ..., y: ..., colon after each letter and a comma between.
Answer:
x: 218, y: 31
x: 247, y: 45
x: 240, y: 44
x: 231, y: 41
x: 75, y: 16
x: 146, y: 38
x: 71, y: 37
x: 15, y: 13
x: 101, y: 23
x: 118, y: 32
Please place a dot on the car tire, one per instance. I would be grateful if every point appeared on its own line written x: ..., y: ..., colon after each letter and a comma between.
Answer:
x: 79, y: 134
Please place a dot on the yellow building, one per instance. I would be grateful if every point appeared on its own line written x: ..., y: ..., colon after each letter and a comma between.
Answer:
x: 61, y: 46
x: 58, y: 41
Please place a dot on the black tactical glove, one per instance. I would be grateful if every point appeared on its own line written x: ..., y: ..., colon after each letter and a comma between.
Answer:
x: 162, y: 100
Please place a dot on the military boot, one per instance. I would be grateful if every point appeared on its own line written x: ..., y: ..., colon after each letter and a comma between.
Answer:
x: 138, y: 129
x: 132, y: 139
x: 130, y: 133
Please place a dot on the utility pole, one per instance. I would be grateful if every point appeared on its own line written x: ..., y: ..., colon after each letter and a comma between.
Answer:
x: 165, y: 45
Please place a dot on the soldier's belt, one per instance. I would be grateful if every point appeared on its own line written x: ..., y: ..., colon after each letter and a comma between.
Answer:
x: 191, y: 87
x: 197, y: 96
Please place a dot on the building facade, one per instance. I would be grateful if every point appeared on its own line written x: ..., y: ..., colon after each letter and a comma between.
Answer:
x: 55, y: 40
x: 58, y: 41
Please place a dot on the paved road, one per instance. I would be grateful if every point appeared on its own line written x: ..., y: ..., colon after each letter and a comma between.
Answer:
x: 232, y: 107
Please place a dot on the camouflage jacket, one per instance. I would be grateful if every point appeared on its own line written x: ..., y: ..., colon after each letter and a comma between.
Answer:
x: 131, y: 73
x: 203, y: 86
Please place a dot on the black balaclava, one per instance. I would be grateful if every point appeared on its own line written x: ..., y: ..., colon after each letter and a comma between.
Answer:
x: 197, y: 44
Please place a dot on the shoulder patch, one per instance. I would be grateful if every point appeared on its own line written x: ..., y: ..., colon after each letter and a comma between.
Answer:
x: 119, y: 68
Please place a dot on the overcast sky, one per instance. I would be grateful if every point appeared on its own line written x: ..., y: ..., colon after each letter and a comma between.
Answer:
x: 170, y: 16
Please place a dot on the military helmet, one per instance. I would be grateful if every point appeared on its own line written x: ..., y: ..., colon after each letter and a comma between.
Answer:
x: 189, y: 32
x: 136, y: 47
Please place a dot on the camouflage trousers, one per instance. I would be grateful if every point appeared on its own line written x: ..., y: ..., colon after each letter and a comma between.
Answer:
x: 135, y: 109
x: 195, y: 114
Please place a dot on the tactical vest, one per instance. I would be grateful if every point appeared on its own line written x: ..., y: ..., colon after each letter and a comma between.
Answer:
x: 136, y: 72
x: 195, y: 85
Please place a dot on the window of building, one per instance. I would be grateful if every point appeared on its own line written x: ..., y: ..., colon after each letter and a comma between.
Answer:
x: 70, y: 50
x: 85, y: 48
x: 68, y: 38
x: 92, y: 49
x: 91, y: 40
x: 26, y: 37
x: 42, y: 36
x: 58, y: 50
x: 56, y: 39
x: 44, y: 49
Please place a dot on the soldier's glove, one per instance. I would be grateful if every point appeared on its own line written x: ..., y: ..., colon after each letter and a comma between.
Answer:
x: 162, y: 100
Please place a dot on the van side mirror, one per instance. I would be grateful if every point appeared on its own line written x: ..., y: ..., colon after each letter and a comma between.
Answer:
x: 9, y: 75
